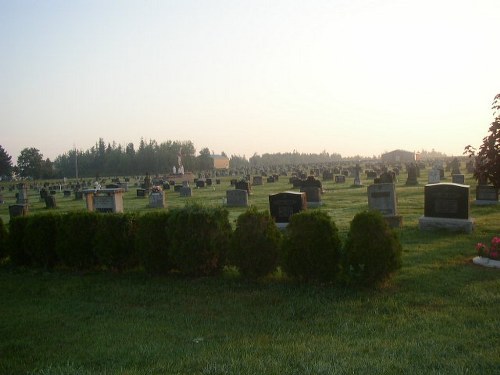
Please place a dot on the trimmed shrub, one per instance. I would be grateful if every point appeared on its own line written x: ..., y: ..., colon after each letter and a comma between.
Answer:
x: 199, y: 239
x: 311, y: 247
x: 151, y: 242
x: 40, y: 240
x: 372, y: 249
x: 15, y: 241
x: 114, y: 241
x: 255, y: 244
x: 75, y: 240
x: 3, y: 239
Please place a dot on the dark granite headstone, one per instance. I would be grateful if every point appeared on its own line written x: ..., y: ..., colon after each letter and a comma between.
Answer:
x: 141, y: 193
x: 486, y: 193
x: 327, y: 176
x: 412, y: 174
x: 50, y: 201
x: 257, y: 180
x: 18, y: 210
x: 283, y: 205
x: 313, y: 195
x: 243, y: 185
x: 237, y: 198
x: 340, y: 179
x: 446, y: 200
x: 200, y: 183
x: 186, y: 191
x: 458, y: 179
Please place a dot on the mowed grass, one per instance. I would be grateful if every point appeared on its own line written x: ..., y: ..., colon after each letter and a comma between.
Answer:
x: 438, y: 314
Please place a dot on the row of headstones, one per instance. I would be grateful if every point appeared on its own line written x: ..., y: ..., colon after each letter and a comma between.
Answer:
x: 446, y: 206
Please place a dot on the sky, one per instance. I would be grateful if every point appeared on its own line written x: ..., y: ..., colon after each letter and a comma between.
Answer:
x: 353, y: 77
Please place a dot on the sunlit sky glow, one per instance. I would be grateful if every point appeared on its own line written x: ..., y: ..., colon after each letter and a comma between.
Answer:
x: 345, y: 76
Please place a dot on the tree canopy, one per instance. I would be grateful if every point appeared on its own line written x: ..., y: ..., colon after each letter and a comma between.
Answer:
x: 487, y: 159
x: 5, y: 163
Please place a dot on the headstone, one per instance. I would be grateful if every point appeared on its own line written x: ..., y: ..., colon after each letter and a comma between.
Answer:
x: 458, y: 178
x: 243, y: 185
x: 486, y: 195
x: 283, y: 205
x: 446, y: 206
x: 340, y: 179
x: 18, y: 210
x: 22, y: 194
x: 78, y: 195
x: 177, y: 188
x: 357, y: 176
x: 313, y: 195
x: 208, y: 182
x: 104, y: 200
x: 382, y: 197
x: 141, y: 193
x: 434, y: 176
x: 50, y: 201
x: 186, y: 191
x: 311, y: 181
x: 270, y: 180
x: 455, y: 166
x: 441, y: 173
x: 257, y: 180
x: 200, y: 183
x: 67, y: 193
x: 412, y: 174
x: 386, y: 178
x: 327, y: 176
x: 157, y: 199
x: 237, y: 198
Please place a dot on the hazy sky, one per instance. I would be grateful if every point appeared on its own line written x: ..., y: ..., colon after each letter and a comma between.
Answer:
x: 345, y: 76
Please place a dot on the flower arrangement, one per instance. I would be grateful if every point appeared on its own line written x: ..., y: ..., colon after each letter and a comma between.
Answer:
x: 156, y: 189
x: 493, y: 252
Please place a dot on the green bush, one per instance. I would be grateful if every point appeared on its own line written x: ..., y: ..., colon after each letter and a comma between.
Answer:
x: 75, y: 240
x: 40, y: 240
x: 199, y: 239
x: 15, y: 241
x: 3, y: 239
x: 311, y: 247
x: 114, y: 241
x: 151, y: 242
x: 372, y: 249
x: 255, y: 244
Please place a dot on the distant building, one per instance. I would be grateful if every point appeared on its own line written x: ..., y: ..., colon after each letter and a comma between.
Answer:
x: 220, y: 161
x: 398, y: 156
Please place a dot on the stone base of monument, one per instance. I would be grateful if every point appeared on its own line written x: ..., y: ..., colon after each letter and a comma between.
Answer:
x: 394, y: 221
x: 486, y: 262
x: 485, y: 202
x: 452, y: 225
x: 281, y: 226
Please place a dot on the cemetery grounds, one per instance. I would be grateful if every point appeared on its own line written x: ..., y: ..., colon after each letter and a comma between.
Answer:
x: 438, y: 314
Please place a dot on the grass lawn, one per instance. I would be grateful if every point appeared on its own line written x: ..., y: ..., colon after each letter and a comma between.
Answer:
x: 438, y: 314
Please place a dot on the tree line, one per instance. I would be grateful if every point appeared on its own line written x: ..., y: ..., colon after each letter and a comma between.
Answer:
x: 112, y: 159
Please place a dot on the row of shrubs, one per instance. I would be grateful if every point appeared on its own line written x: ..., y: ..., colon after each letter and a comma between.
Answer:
x: 199, y: 241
